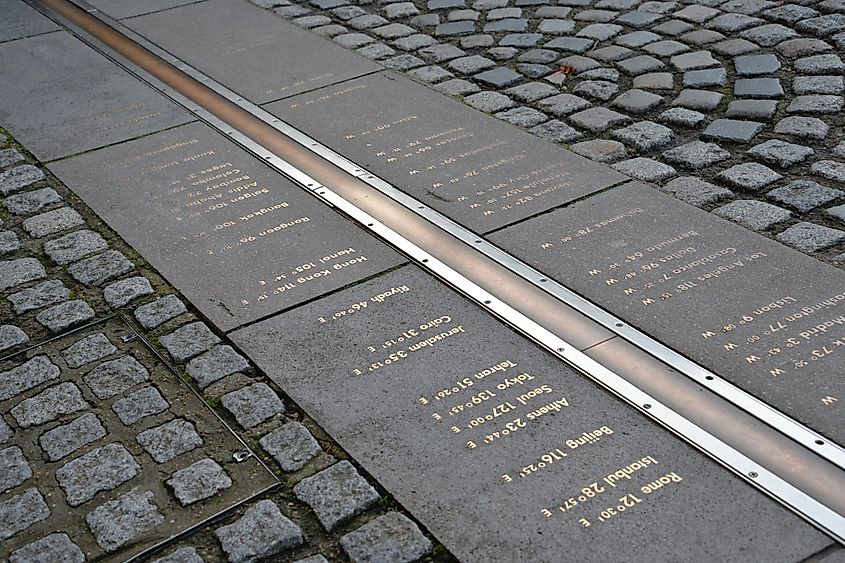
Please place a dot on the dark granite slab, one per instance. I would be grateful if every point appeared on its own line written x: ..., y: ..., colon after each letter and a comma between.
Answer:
x: 239, y: 240
x: 767, y: 318
x: 477, y: 170
x: 259, y: 56
x: 502, y: 451
x: 60, y: 97
x: 20, y: 20
x: 119, y: 9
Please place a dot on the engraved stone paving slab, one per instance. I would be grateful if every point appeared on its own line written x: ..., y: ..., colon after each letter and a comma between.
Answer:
x: 20, y: 20
x: 262, y: 59
x: 207, y: 210
x: 761, y: 315
x: 477, y: 170
x: 119, y: 9
x: 84, y: 467
x: 511, y: 451
x: 92, y: 102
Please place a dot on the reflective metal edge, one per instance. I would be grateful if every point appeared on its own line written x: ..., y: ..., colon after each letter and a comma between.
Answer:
x: 812, y: 440
x: 787, y: 494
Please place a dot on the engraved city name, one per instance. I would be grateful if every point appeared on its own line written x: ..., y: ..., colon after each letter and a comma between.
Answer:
x: 477, y: 170
x: 205, y: 209
x: 761, y: 315
x: 524, y: 455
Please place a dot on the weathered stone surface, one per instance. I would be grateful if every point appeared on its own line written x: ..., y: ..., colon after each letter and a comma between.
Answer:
x: 200, y: 480
x: 705, y: 78
x: 498, y: 77
x: 74, y: 246
x: 805, y: 195
x: 19, y: 177
x: 749, y: 176
x: 37, y: 296
x: 122, y: 292
x: 215, y: 364
x: 52, y: 222
x: 140, y: 404
x: 682, y: 116
x: 66, y: 439
x: 65, y: 315
x: 809, y: 237
x: 639, y: 65
x: 804, y: 127
x: 597, y: 89
x: 644, y: 135
x: 253, y: 404
x: 16, y: 272
x: 5, y: 431
x: 645, y: 169
x: 818, y: 85
x: 170, y: 440
x: 756, y: 65
x: 336, y: 494
x: 291, y: 445
x: 732, y: 130
x: 666, y: 48
x: 752, y: 109
x: 769, y: 35
x: 819, y: 64
x: 9, y: 242
x: 837, y: 212
x: 9, y: 157
x: 188, y: 341
x: 32, y: 202
x: 696, y: 155
x: 489, y: 102
x: 457, y: 87
x: 101, y: 268
x: 26, y: 376
x: 598, y: 119
x: 830, y: 169
x: 115, y: 376
x: 781, y: 153
x: 600, y: 150
x: 120, y: 521
x: 21, y: 511
x: 754, y: 215
x: 159, y: 311
x: 11, y: 336
x: 704, y: 100
x: 563, y: 104
x: 14, y: 468
x: 556, y: 131
x: 48, y: 405
x: 693, y: 61
x: 817, y: 104
x: 181, y: 555
x: 89, y: 349
x: 101, y: 469
x: 261, y: 532
x: 430, y: 74
x: 55, y: 548
x: 392, y: 537
x: 637, y: 101
x: 522, y: 116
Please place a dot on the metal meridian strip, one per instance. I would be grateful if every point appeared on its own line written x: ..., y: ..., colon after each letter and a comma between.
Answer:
x: 519, y: 302
x: 812, y: 440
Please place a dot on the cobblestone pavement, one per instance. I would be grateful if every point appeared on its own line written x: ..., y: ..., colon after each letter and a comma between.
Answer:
x: 734, y: 106
x: 126, y: 421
